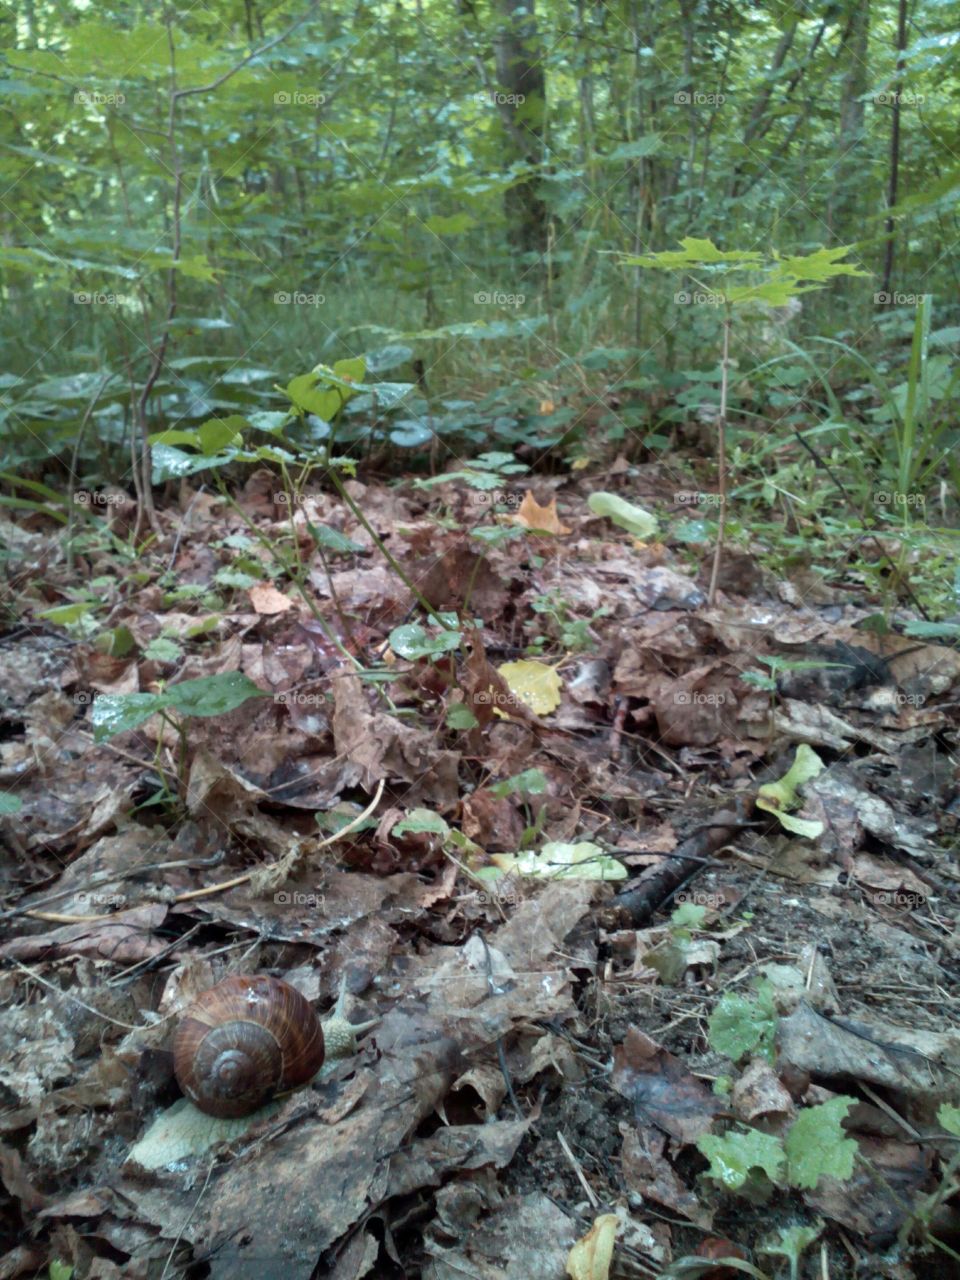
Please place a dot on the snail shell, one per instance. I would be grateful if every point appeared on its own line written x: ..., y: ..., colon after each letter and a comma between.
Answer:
x: 244, y: 1042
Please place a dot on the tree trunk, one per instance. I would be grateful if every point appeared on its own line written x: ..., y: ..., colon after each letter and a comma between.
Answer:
x: 843, y: 207
x: 893, y: 185
x: 521, y: 100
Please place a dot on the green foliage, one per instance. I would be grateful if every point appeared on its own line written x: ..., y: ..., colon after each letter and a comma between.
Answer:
x: 742, y: 1025
x: 735, y: 1154
x: 816, y: 1147
x: 790, y: 1243
x: 412, y: 640
x: 115, y: 713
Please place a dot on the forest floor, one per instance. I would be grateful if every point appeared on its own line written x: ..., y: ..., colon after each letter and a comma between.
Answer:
x: 654, y: 899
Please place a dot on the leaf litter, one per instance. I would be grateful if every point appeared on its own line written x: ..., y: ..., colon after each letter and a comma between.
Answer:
x: 756, y: 1023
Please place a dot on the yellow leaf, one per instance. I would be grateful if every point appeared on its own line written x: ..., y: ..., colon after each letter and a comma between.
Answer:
x: 536, y: 685
x: 544, y: 519
x: 590, y: 1257
x: 547, y: 406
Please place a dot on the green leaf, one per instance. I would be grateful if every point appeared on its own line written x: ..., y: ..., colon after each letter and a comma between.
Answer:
x: 212, y: 695
x: 114, y: 713
x: 560, y: 861
x: 306, y: 395
x: 742, y: 1025
x: 790, y: 1243
x: 532, y: 781
x: 414, y: 641
x: 10, y: 803
x: 333, y: 539
x: 163, y: 649
x: 117, y: 643
x: 64, y: 615
x: 733, y: 1155
x: 419, y: 821
x: 630, y: 517
x: 217, y: 433
x: 816, y: 1144
x: 949, y: 1117
x: 453, y: 225
x: 780, y: 796
x: 460, y: 717
x: 170, y: 463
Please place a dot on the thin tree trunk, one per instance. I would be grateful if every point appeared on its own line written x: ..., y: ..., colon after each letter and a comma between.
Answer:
x: 521, y: 101
x: 893, y: 186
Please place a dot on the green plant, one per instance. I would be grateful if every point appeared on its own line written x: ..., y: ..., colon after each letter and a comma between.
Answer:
x: 572, y: 633
x: 781, y: 281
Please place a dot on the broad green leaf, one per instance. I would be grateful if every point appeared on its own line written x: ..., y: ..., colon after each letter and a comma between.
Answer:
x: 217, y: 433
x: 114, y: 713
x: 630, y: 517
x: 781, y: 796
x: 535, y: 684
x: 414, y: 641
x: 419, y: 821
x: 64, y: 615
x: 163, y: 649
x: 735, y: 1154
x: 306, y: 395
x: 532, y: 781
x: 333, y: 539
x: 212, y: 695
x: 10, y: 803
x: 816, y: 1144
x: 742, y: 1025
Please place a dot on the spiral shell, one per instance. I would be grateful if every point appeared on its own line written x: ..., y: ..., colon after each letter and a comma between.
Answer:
x: 244, y: 1042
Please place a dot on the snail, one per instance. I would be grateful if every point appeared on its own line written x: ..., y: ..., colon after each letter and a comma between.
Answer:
x: 251, y: 1039
x: 240, y: 1048
x: 245, y: 1042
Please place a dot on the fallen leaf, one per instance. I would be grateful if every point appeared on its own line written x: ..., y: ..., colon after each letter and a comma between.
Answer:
x: 541, y: 519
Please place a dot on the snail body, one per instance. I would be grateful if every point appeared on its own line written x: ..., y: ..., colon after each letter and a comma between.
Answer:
x: 244, y: 1042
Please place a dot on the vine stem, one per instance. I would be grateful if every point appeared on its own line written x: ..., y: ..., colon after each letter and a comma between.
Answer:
x: 721, y: 459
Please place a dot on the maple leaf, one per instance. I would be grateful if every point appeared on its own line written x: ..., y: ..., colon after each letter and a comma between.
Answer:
x: 543, y: 519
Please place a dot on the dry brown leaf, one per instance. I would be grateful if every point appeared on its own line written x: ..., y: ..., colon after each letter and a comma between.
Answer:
x: 266, y: 599
x: 539, y: 519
